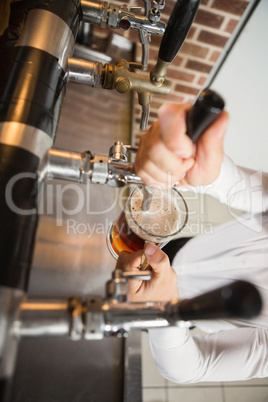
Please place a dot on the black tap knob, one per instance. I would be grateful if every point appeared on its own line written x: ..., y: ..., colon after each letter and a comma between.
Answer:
x: 177, y: 29
x: 205, y: 110
x: 239, y: 299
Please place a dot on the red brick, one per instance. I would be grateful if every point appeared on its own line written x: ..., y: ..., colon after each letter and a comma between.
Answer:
x: 236, y: 7
x: 231, y: 26
x: 153, y: 115
x: 194, y: 50
x: 156, y: 40
x: 165, y: 16
x: 201, y: 81
x: 186, y: 89
x: 180, y: 75
x: 198, y: 66
x: 215, y: 55
x: 151, y: 121
x: 173, y: 97
x: 153, y: 54
x: 212, y: 38
x: 175, y: 63
x: 208, y: 19
x: 156, y: 103
x: 169, y: 5
x: 132, y: 35
x: 191, y: 32
x: 151, y: 65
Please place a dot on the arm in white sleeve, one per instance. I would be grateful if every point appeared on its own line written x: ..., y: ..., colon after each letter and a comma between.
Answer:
x: 233, y: 355
x: 239, y: 188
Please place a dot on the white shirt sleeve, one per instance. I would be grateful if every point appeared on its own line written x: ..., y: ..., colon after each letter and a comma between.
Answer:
x: 239, y: 188
x: 232, y: 355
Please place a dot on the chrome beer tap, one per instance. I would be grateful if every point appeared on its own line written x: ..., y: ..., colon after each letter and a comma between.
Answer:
x: 124, y: 17
x: 94, y: 317
x: 114, y: 169
x: 120, y: 76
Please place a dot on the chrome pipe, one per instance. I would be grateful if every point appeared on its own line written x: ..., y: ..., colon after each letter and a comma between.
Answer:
x: 95, y: 12
x: 84, y: 72
x: 127, y: 316
x: 145, y: 113
x: 91, y: 319
x: 64, y: 165
x: 81, y: 167
x: 43, y: 318
x: 143, y: 23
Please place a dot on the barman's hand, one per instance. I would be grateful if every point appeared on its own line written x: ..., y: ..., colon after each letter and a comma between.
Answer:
x: 167, y: 155
x: 163, y: 283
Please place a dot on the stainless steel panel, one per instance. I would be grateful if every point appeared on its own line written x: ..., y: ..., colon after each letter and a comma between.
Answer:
x: 71, y: 258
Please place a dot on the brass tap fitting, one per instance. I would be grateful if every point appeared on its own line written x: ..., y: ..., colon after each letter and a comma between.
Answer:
x: 121, y: 78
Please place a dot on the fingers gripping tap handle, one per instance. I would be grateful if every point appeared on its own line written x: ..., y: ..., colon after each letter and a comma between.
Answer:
x: 205, y: 110
x: 177, y: 29
x: 239, y: 299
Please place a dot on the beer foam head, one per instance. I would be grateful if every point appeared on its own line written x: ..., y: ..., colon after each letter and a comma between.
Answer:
x: 163, y: 218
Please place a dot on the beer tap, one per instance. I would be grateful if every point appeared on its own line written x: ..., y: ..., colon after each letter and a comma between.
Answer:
x: 94, y: 317
x: 125, y: 18
x: 114, y: 169
x: 117, y: 286
x: 120, y: 76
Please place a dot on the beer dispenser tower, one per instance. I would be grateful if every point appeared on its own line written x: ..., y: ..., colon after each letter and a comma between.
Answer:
x: 36, y: 65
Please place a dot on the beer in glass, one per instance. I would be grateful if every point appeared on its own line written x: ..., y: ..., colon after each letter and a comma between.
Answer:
x: 165, y: 217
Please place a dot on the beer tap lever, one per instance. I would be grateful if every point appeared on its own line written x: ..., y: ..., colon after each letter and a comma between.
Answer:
x: 177, y: 29
x: 94, y: 317
x: 120, y: 77
x: 237, y: 299
x: 205, y: 110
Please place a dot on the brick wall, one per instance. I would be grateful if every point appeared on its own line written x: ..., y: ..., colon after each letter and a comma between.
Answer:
x: 212, y: 27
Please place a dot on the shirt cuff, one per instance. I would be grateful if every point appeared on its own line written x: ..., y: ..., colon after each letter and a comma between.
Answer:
x: 221, y: 186
x: 226, y: 178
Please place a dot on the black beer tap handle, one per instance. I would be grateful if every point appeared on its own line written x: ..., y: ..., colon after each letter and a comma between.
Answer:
x: 177, y: 29
x: 239, y: 299
x: 205, y: 110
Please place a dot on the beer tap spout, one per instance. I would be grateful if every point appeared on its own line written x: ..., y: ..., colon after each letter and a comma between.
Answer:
x: 113, y: 169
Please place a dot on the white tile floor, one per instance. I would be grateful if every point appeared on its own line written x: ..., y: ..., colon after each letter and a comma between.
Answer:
x: 157, y: 389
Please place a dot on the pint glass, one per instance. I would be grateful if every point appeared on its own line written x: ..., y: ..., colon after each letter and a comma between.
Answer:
x: 165, y: 218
